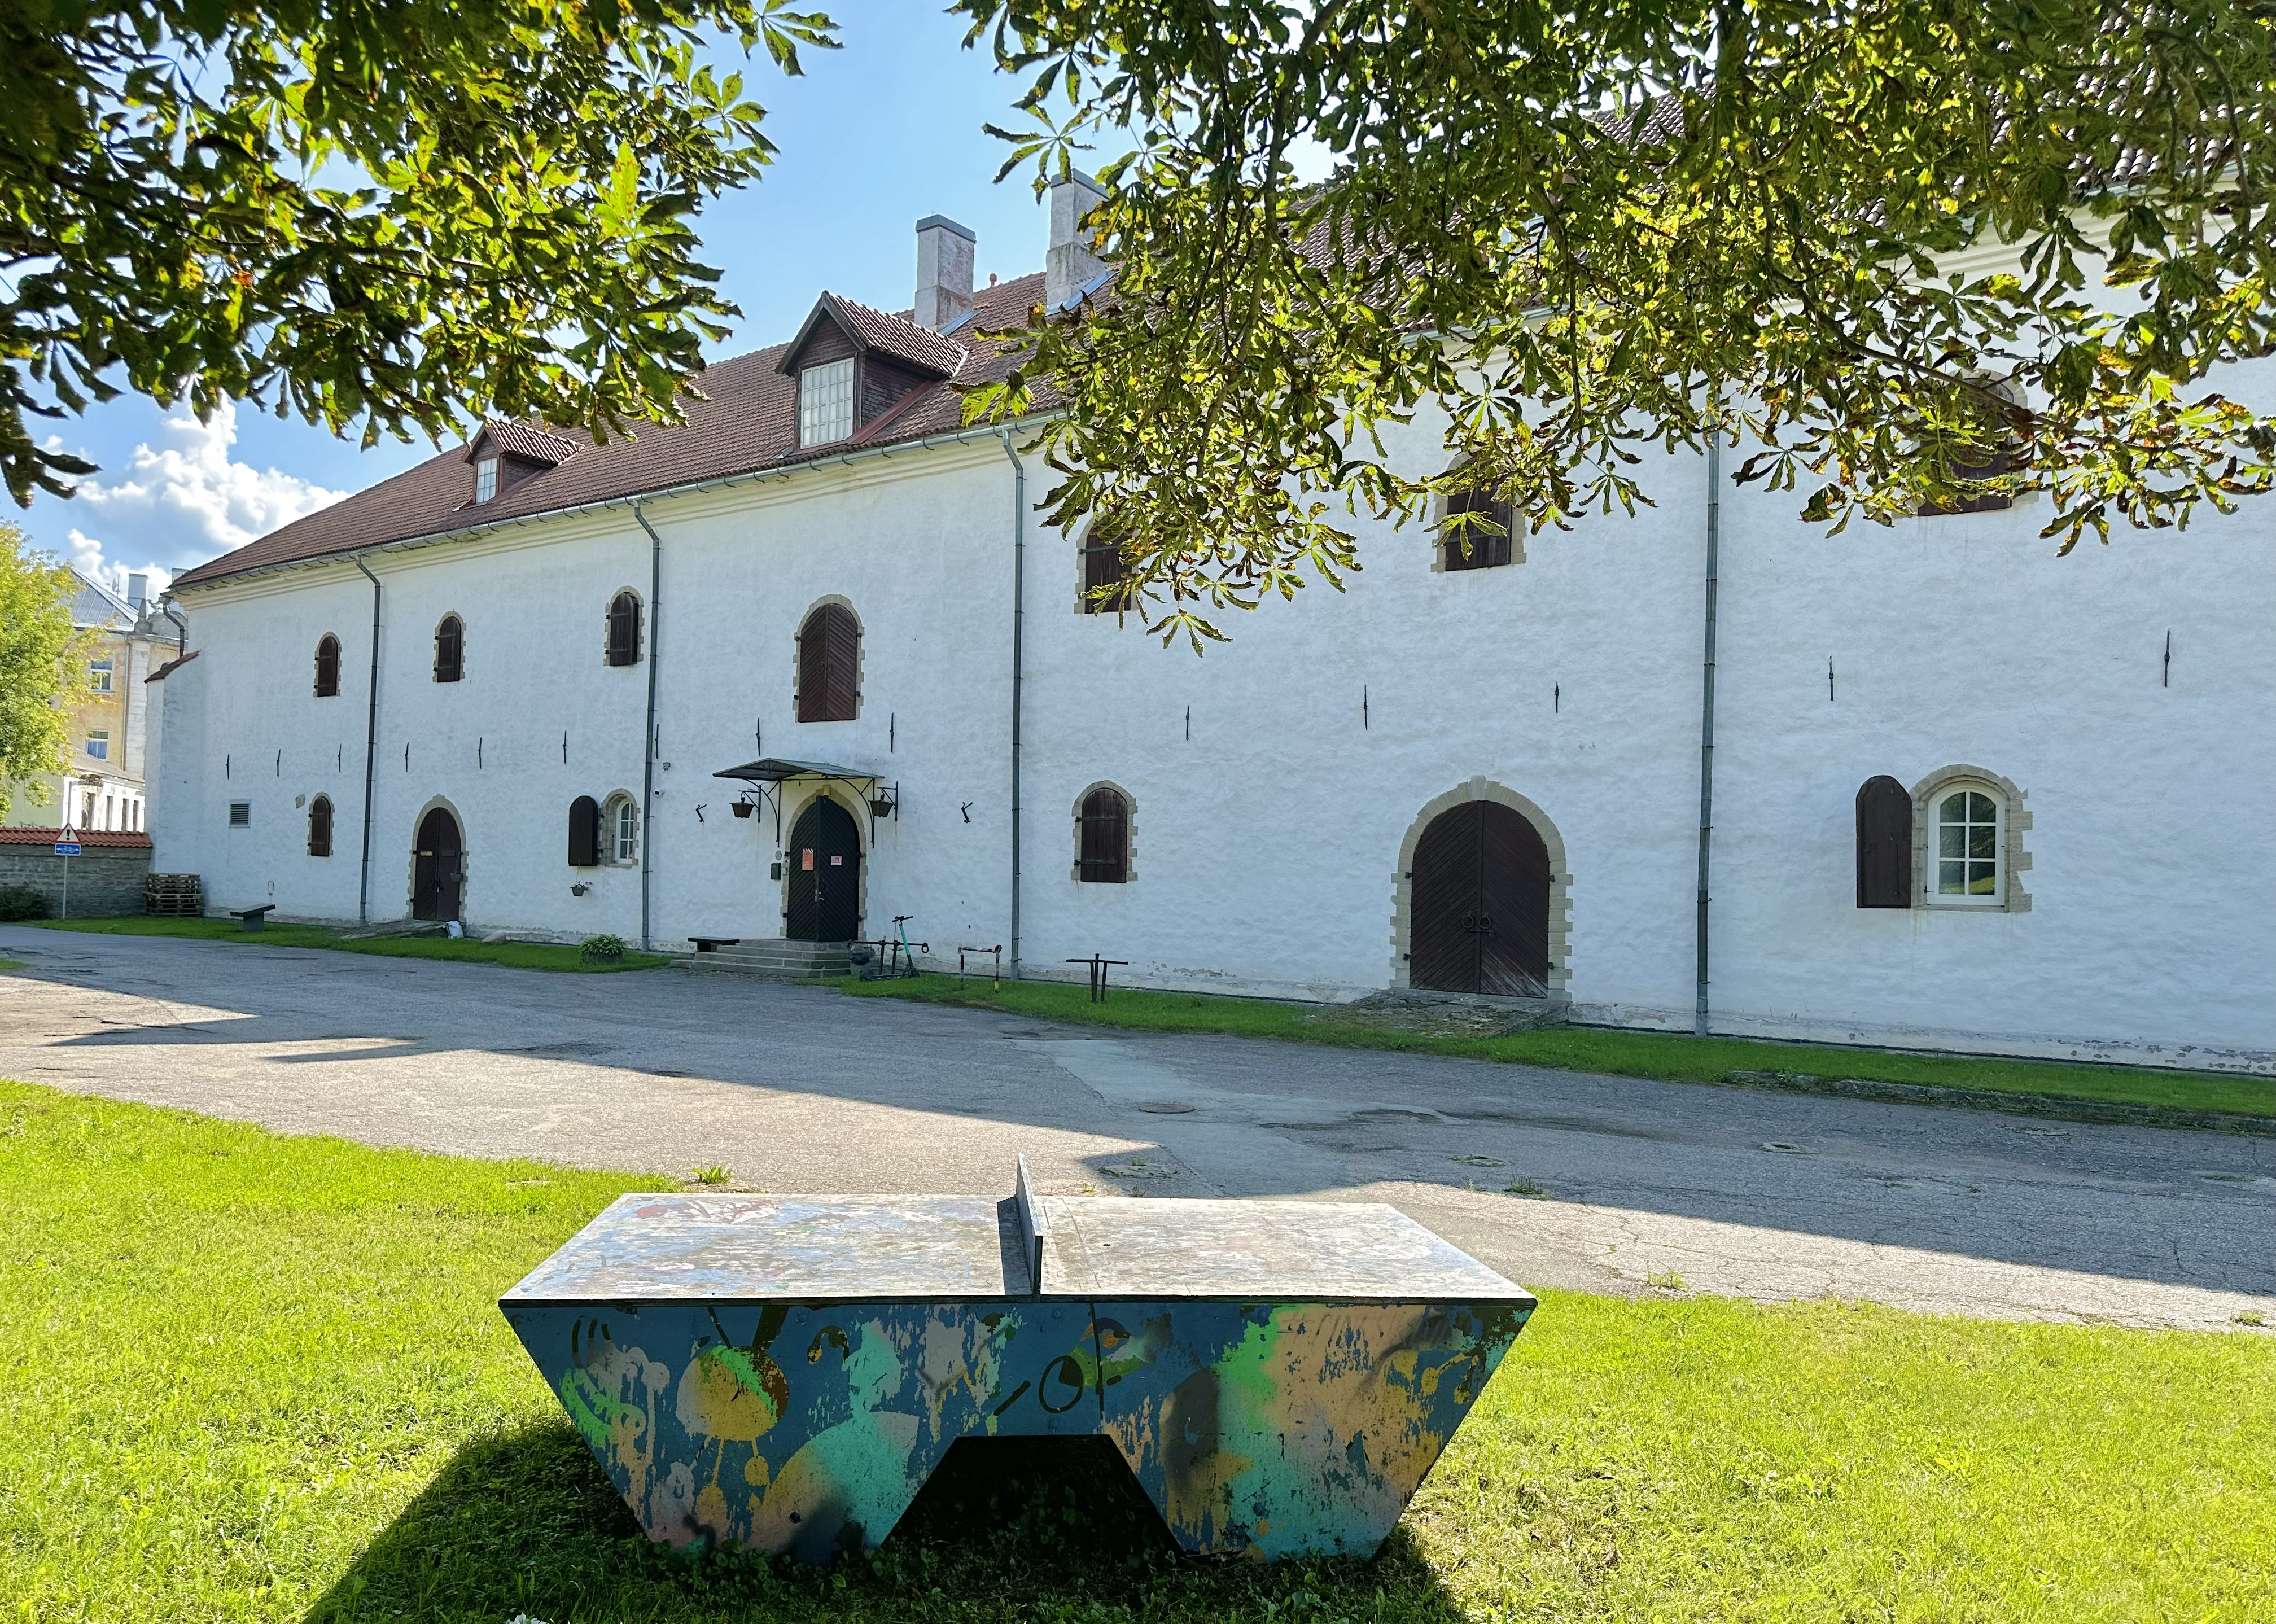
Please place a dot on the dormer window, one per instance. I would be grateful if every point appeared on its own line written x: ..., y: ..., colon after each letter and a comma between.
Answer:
x: 825, y: 402
x: 486, y: 479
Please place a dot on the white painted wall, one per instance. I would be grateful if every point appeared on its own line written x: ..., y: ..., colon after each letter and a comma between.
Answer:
x: 1266, y: 847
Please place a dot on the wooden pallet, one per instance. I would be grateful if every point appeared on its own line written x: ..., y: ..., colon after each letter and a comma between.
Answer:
x: 174, y: 894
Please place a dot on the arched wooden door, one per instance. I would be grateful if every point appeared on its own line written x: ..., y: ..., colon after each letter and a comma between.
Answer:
x: 1479, y: 904
x: 825, y: 875
x: 438, y: 866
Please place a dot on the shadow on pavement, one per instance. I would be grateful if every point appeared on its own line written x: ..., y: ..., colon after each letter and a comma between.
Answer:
x: 525, y: 1524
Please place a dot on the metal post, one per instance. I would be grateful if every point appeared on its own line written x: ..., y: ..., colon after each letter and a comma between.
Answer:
x: 1707, y: 708
x: 65, y: 911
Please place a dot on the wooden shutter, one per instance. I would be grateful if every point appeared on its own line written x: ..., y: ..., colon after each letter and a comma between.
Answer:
x: 450, y: 645
x: 1103, y: 838
x: 1104, y: 567
x: 584, y: 833
x: 1884, y: 844
x: 327, y: 667
x: 1486, y: 551
x: 829, y: 666
x: 320, y: 827
x: 624, y: 630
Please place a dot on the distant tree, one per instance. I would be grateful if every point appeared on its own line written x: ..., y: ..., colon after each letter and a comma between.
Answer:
x: 1915, y: 251
x: 41, y: 667
x: 374, y: 212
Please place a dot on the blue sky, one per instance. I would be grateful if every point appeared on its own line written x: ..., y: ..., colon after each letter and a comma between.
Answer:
x: 875, y: 137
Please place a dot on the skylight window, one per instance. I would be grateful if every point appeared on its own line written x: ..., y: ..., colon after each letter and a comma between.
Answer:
x: 825, y: 402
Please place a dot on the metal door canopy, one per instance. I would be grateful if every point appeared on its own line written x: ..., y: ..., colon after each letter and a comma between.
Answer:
x: 784, y: 1372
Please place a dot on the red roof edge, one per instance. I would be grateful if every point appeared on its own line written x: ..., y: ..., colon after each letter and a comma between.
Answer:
x: 131, y: 839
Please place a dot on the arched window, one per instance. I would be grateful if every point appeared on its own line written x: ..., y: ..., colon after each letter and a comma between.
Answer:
x: 620, y: 829
x: 327, y: 667
x: 320, y: 826
x: 1967, y: 827
x: 1106, y: 576
x: 624, y: 629
x: 584, y: 832
x: 1102, y: 837
x: 450, y: 649
x: 1478, y: 531
x: 829, y: 665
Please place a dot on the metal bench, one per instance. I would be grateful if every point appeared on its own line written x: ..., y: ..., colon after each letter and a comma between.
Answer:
x: 784, y: 1372
x: 253, y: 918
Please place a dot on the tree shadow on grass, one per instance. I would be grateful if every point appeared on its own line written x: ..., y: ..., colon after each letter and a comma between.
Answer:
x: 1012, y: 1530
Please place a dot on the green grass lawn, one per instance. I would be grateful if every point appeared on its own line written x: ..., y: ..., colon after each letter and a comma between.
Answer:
x: 261, y: 1377
x: 1667, y: 1057
x: 520, y: 955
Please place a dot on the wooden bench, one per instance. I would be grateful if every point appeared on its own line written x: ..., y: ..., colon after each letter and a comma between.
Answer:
x: 253, y: 918
x: 713, y: 944
x: 784, y: 1372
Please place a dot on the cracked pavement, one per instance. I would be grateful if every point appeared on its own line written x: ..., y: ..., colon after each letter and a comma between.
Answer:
x: 1755, y: 1193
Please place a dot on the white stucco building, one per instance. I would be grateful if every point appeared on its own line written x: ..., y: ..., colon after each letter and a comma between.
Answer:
x: 1481, y: 778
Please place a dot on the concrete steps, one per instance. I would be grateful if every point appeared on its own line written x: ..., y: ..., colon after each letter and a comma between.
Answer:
x: 774, y: 960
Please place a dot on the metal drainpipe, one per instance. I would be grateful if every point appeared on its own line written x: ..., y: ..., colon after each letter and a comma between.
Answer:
x: 648, y: 768
x: 181, y: 630
x: 1707, y: 708
x: 1019, y: 649
x: 371, y: 747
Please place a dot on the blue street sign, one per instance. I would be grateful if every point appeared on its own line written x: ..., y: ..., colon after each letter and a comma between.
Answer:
x: 67, y: 848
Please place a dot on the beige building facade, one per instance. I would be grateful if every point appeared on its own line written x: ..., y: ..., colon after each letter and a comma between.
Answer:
x: 113, y: 730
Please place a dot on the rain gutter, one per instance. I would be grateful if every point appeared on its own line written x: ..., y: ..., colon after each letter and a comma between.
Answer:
x: 370, y: 746
x: 647, y: 764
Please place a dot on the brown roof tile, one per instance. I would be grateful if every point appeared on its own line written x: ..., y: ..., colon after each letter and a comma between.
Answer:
x: 746, y: 421
x: 518, y: 439
x: 85, y: 837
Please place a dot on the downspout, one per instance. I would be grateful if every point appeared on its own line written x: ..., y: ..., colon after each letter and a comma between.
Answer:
x: 648, y: 766
x: 1707, y: 708
x: 1019, y: 650
x: 371, y: 747
x: 181, y: 630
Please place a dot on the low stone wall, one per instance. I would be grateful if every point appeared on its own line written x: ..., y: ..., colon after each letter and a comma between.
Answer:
x: 105, y: 881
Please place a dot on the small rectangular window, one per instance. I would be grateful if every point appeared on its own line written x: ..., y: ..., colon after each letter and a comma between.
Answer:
x: 98, y: 676
x: 98, y: 745
x: 241, y: 814
x: 627, y: 831
x: 486, y: 479
x: 825, y: 403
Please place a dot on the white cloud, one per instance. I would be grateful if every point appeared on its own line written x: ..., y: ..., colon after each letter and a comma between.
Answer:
x: 86, y: 557
x: 181, y: 503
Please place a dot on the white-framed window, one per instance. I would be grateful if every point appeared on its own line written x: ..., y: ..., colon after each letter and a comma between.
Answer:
x: 1966, y: 831
x: 622, y: 825
x: 86, y: 810
x: 98, y: 744
x: 485, y: 479
x: 98, y: 676
x: 825, y: 402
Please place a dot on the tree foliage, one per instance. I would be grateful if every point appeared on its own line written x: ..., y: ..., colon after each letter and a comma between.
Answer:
x: 41, y: 668
x: 374, y: 212
x: 1882, y: 244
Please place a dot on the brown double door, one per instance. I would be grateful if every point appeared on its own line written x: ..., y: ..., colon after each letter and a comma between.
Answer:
x: 1479, y: 904
x: 438, y: 867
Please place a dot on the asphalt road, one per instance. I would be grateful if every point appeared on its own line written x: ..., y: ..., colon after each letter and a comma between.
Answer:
x: 1763, y: 1195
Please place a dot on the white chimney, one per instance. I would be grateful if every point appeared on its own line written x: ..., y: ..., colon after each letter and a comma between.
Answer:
x: 944, y: 272
x: 1070, y: 263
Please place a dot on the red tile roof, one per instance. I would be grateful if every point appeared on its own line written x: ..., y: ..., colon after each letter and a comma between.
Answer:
x: 746, y: 422
x: 85, y: 837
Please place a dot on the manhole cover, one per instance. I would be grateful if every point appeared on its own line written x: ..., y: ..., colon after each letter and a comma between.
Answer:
x: 1782, y: 1148
x: 1166, y: 1108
